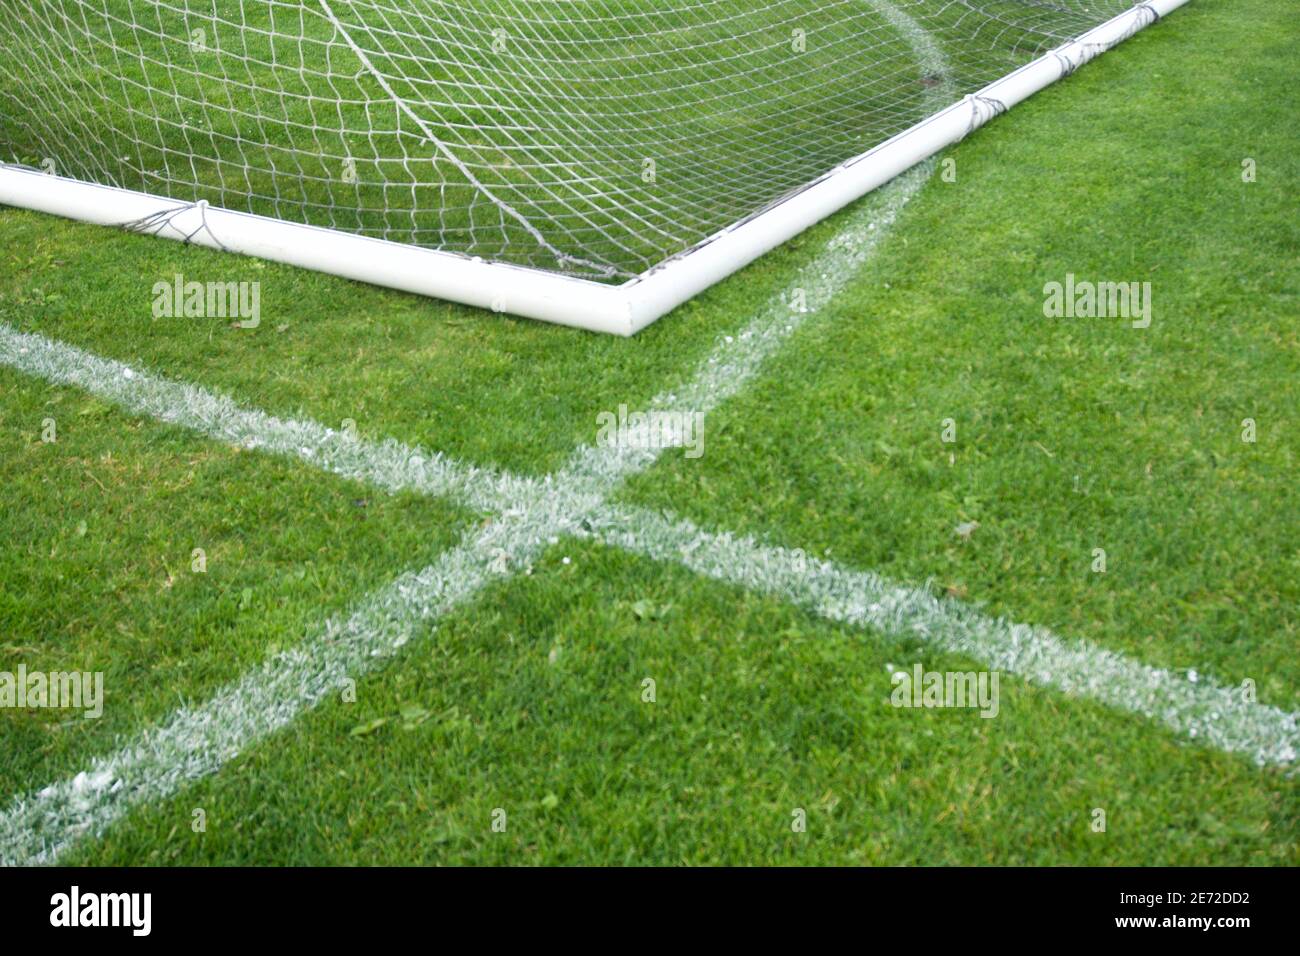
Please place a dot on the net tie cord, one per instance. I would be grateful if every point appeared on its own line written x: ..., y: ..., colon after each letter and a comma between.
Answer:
x: 983, y: 109
x: 155, y: 224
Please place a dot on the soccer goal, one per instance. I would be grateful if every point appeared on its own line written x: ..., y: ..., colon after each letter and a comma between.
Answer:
x: 589, y: 162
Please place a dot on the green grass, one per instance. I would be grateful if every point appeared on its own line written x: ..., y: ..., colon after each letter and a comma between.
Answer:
x: 553, y: 109
x: 1072, y: 434
x: 99, y: 566
x: 759, y: 711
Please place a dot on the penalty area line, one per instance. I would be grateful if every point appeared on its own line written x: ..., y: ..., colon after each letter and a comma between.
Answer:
x: 1203, y: 710
x: 528, y: 515
x: 195, y: 742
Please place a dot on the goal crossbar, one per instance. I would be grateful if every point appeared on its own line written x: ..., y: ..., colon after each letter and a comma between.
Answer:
x: 551, y: 296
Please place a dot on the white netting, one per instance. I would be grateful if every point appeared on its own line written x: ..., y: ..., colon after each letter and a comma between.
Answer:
x: 593, y: 137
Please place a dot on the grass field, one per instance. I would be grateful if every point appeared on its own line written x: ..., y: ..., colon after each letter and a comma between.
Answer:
x: 508, y: 129
x: 511, y: 675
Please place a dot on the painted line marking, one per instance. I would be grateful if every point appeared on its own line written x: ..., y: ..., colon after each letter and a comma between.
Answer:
x: 196, y: 742
x: 1204, y: 710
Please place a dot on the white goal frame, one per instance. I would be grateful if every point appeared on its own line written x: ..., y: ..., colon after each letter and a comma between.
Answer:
x: 534, y: 293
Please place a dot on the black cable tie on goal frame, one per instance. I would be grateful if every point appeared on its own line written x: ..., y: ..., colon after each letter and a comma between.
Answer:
x: 1155, y: 14
x: 978, y: 117
x: 1139, y: 24
x: 1068, y: 65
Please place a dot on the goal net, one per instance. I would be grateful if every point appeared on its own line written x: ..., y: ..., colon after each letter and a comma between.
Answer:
x: 592, y: 138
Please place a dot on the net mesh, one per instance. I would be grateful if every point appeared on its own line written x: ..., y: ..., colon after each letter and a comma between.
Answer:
x: 591, y: 137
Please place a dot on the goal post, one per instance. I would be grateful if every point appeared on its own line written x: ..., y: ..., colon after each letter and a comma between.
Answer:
x: 496, y: 199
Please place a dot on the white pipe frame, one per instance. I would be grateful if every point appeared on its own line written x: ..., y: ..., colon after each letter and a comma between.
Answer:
x: 619, y: 309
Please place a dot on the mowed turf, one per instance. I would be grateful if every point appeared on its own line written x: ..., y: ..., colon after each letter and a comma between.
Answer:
x: 1071, y: 435
x: 534, y: 702
x: 100, y: 570
x: 330, y: 115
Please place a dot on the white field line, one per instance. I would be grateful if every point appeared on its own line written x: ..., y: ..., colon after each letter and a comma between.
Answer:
x: 389, y: 465
x: 734, y: 362
x: 195, y: 742
x: 1202, y: 709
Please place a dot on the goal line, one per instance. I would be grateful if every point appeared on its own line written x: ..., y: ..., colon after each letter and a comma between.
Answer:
x: 478, y: 273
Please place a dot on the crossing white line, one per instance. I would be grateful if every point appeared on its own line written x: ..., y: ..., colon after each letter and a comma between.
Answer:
x: 195, y: 742
x: 1202, y: 709
x: 529, y: 513
x: 389, y: 465
x: 1215, y: 715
